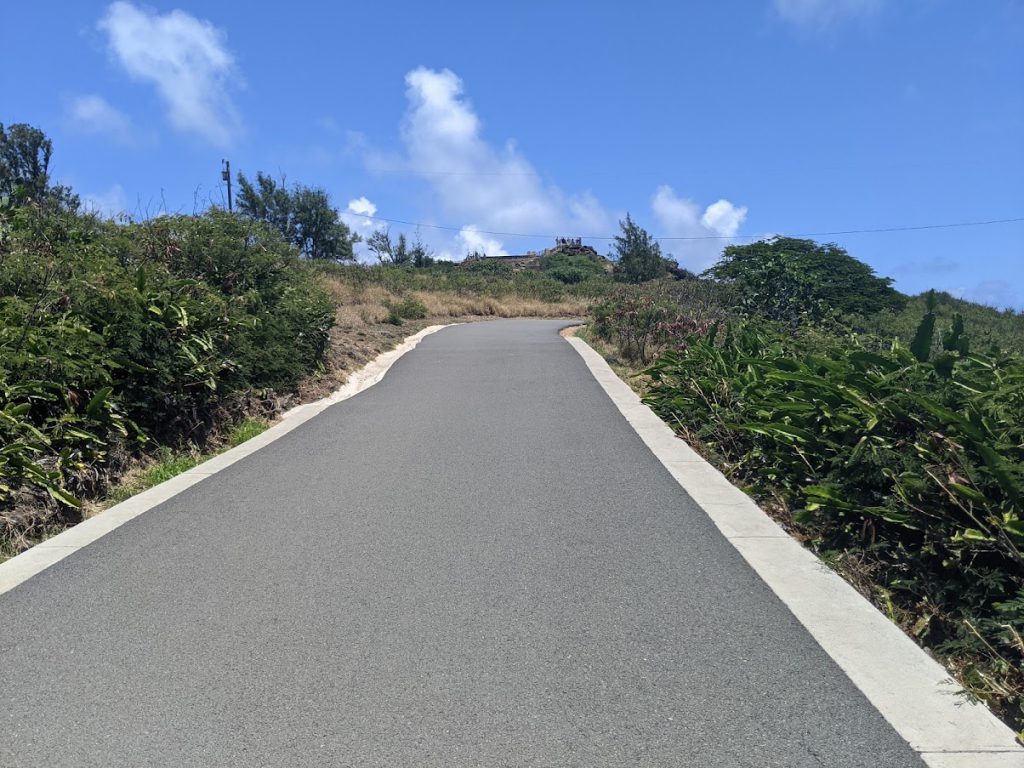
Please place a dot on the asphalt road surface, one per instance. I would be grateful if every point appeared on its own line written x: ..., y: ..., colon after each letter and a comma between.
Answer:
x: 474, y: 563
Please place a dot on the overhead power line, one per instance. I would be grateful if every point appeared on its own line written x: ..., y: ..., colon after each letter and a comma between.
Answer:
x: 699, y: 237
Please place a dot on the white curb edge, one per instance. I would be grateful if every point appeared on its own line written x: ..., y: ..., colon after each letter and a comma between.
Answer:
x: 912, y: 691
x: 40, y: 557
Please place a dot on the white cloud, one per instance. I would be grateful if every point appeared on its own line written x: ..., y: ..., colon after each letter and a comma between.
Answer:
x: 470, y: 239
x: 95, y: 115
x: 185, y: 58
x: 680, y: 217
x: 822, y: 14
x: 362, y: 206
x: 358, y: 216
x: 488, y: 190
x: 109, y: 204
x: 495, y: 188
x: 724, y: 218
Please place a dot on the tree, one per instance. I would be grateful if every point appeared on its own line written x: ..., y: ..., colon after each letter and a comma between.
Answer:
x: 637, y: 255
x: 399, y: 252
x: 320, y: 232
x: 380, y: 243
x: 25, y: 167
x: 788, y: 279
x: 303, y: 215
x: 267, y: 201
x: 421, y: 255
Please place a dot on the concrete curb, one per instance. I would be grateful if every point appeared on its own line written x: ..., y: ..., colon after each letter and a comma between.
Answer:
x: 40, y: 557
x: 912, y: 691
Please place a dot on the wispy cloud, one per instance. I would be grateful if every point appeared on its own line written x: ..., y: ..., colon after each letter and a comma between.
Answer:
x: 108, y: 204
x: 93, y: 114
x: 819, y: 15
x: 993, y: 293
x: 487, y: 187
x: 930, y: 266
x: 185, y: 59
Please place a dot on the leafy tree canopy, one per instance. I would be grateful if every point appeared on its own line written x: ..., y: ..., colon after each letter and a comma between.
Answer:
x: 25, y: 167
x: 637, y: 255
x: 787, y: 279
x: 303, y: 215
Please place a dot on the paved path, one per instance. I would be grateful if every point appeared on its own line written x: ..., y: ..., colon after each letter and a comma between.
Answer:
x: 475, y: 562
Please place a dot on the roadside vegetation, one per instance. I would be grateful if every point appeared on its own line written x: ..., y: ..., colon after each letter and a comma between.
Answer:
x: 119, y: 338
x: 885, y: 431
x: 131, y: 350
x: 165, y: 463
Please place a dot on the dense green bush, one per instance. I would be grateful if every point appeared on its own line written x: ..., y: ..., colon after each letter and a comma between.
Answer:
x: 571, y: 268
x: 896, y: 443
x: 915, y: 460
x: 488, y: 267
x: 113, y: 333
x: 796, y: 281
x: 409, y: 308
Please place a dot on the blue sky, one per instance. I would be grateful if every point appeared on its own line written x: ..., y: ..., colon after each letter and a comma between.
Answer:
x: 703, y: 120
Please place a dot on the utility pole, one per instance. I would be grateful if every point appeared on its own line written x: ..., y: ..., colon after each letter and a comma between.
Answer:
x: 225, y: 174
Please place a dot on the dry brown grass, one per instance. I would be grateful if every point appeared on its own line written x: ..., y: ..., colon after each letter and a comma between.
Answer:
x: 367, y: 305
x: 447, y: 304
x: 358, y: 305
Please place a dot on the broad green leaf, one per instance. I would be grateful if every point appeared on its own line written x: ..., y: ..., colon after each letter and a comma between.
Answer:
x: 95, y: 407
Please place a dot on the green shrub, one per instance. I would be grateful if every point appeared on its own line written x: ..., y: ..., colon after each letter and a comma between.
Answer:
x: 486, y: 266
x: 796, y: 281
x: 571, y: 268
x: 914, y: 461
x: 411, y: 308
x: 111, y: 333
